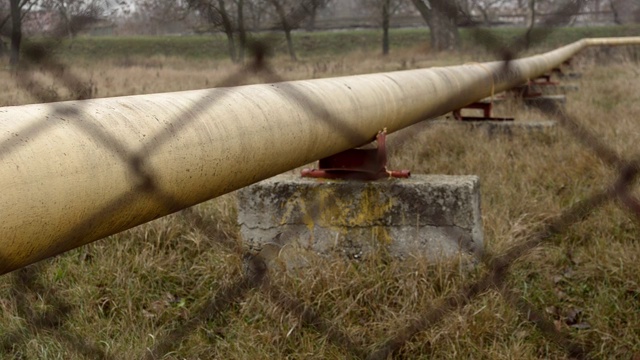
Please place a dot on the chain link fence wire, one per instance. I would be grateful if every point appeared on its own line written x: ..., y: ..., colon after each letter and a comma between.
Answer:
x: 27, y: 282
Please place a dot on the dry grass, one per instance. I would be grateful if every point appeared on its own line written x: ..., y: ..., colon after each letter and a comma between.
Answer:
x: 142, y: 75
x: 172, y: 290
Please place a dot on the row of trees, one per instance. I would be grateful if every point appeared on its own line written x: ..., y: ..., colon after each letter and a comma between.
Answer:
x: 238, y: 18
x: 443, y: 17
x: 235, y: 17
x: 73, y: 16
x: 230, y: 17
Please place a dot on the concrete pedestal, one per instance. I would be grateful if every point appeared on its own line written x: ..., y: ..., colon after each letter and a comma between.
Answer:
x: 431, y: 216
x: 508, y: 128
x: 546, y: 103
x: 553, y: 89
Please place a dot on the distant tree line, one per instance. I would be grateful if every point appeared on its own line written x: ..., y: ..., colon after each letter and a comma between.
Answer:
x: 73, y: 15
x: 237, y: 19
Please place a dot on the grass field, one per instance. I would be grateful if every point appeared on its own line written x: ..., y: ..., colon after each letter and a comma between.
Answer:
x: 173, y: 290
x: 308, y: 45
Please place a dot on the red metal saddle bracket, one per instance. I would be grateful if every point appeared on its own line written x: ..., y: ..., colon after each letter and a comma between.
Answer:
x: 486, y: 107
x: 357, y: 164
x: 543, y: 80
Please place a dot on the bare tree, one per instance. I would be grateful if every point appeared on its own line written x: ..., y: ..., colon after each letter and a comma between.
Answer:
x: 17, y: 10
x: 488, y: 9
x: 550, y: 13
x: 16, y: 31
x: 155, y: 15
x: 226, y: 16
x: 256, y: 13
x: 387, y: 11
x: 442, y: 18
x: 625, y: 11
x: 311, y: 8
x: 383, y: 10
x: 242, y: 31
x: 75, y: 15
x: 163, y: 10
x: 283, y: 11
x: 290, y: 14
x: 4, y: 14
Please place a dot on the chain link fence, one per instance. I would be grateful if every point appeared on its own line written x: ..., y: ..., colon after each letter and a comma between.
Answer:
x: 29, y: 284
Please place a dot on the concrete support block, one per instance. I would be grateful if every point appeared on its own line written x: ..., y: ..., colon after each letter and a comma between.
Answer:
x: 569, y: 76
x: 530, y: 101
x: 547, y: 102
x: 553, y: 89
x: 514, y: 128
x: 568, y: 88
x: 433, y: 216
x: 543, y: 102
x: 508, y: 128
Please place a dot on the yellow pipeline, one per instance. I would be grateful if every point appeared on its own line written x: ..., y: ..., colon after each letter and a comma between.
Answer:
x: 77, y: 171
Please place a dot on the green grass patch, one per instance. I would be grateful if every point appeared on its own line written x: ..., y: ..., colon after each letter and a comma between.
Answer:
x: 309, y: 44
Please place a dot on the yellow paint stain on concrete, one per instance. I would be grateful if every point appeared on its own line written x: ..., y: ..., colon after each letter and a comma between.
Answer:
x: 297, y: 204
x: 339, y: 213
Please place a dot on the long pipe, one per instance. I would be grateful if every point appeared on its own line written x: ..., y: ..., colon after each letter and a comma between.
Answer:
x: 77, y: 171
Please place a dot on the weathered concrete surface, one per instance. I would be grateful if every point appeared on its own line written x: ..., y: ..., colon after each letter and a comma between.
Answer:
x: 427, y: 215
x: 553, y: 89
x: 541, y: 102
x: 508, y: 128
x: 569, y: 76
x: 546, y: 103
x: 559, y: 99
